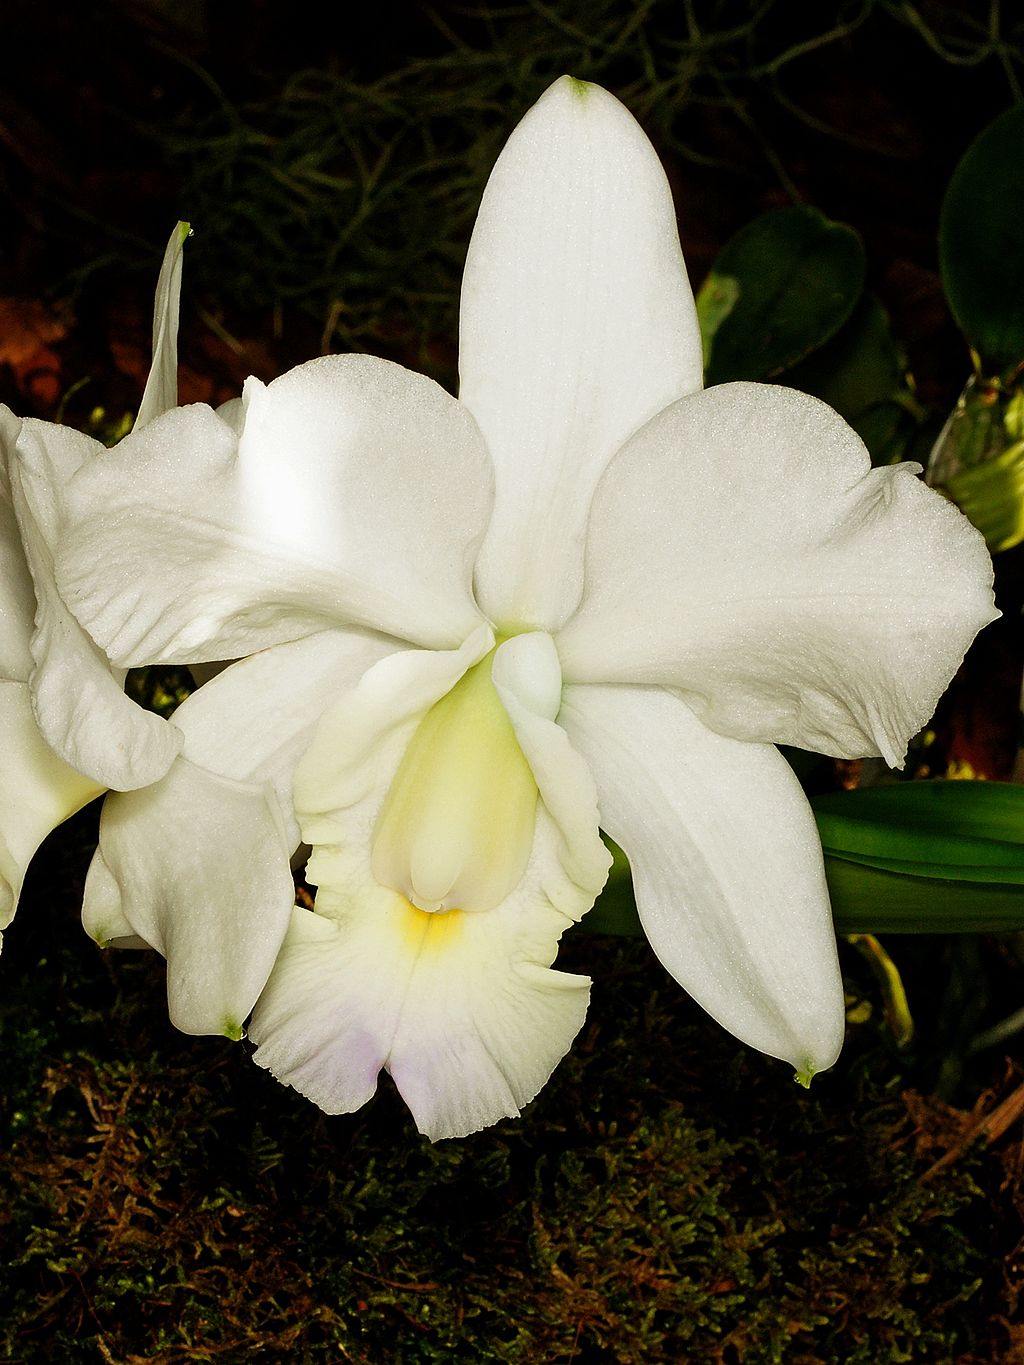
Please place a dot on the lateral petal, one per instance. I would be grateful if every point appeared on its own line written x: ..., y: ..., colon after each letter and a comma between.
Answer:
x: 727, y: 867
x: 356, y: 494
x: 253, y: 721
x: 577, y: 325
x: 37, y: 790
x: 742, y: 550
x: 79, y: 701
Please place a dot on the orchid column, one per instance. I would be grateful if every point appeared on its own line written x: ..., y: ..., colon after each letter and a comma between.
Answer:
x: 585, y: 594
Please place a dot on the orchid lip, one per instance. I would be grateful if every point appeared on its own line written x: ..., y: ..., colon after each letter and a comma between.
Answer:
x: 456, y: 827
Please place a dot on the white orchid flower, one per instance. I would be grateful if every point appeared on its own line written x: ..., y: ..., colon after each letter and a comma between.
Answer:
x: 37, y: 790
x: 52, y: 678
x: 585, y: 593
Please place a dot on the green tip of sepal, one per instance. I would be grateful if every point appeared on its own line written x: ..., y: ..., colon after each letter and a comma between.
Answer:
x: 232, y: 1030
x: 184, y: 232
x: 805, y: 1077
x: 581, y: 89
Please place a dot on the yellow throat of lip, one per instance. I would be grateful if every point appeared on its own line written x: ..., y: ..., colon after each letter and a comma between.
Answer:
x: 456, y: 827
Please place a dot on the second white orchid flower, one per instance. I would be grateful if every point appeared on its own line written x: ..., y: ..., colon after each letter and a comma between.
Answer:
x: 55, y: 685
x: 583, y: 594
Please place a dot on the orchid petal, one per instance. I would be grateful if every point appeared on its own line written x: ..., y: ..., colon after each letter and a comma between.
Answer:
x: 356, y: 494
x: 161, y: 392
x: 727, y: 867
x: 17, y: 595
x: 197, y: 865
x: 80, y: 705
x: 253, y: 721
x: 459, y: 1007
x: 37, y: 792
x: 362, y: 737
x: 577, y: 325
x: 742, y: 550
x: 103, y: 917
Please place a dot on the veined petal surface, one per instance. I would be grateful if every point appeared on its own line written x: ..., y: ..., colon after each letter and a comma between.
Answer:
x: 460, y: 1006
x: 727, y: 867
x: 742, y: 550
x: 356, y: 494
x: 79, y: 702
x: 577, y: 325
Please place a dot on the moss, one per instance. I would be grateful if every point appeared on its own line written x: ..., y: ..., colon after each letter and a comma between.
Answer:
x: 668, y: 1197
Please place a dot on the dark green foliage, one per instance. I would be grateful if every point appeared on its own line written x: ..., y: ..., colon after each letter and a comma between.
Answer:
x: 981, y: 240
x: 862, y: 373
x: 779, y: 289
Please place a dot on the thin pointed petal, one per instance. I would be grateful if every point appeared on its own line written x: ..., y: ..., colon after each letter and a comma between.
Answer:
x: 727, y: 867
x: 577, y: 325
x: 161, y: 392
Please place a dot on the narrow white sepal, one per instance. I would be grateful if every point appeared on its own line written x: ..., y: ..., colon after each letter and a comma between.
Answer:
x: 161, y: 392
x: 727, y: 867
x: 577, y: 325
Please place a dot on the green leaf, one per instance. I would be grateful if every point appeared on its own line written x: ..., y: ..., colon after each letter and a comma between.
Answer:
x: 981, y: 244
x: 966, y: 814
x: 978, y: 460
x: 914, y: 858
x: 778, y: 290
x: 925, y: 857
